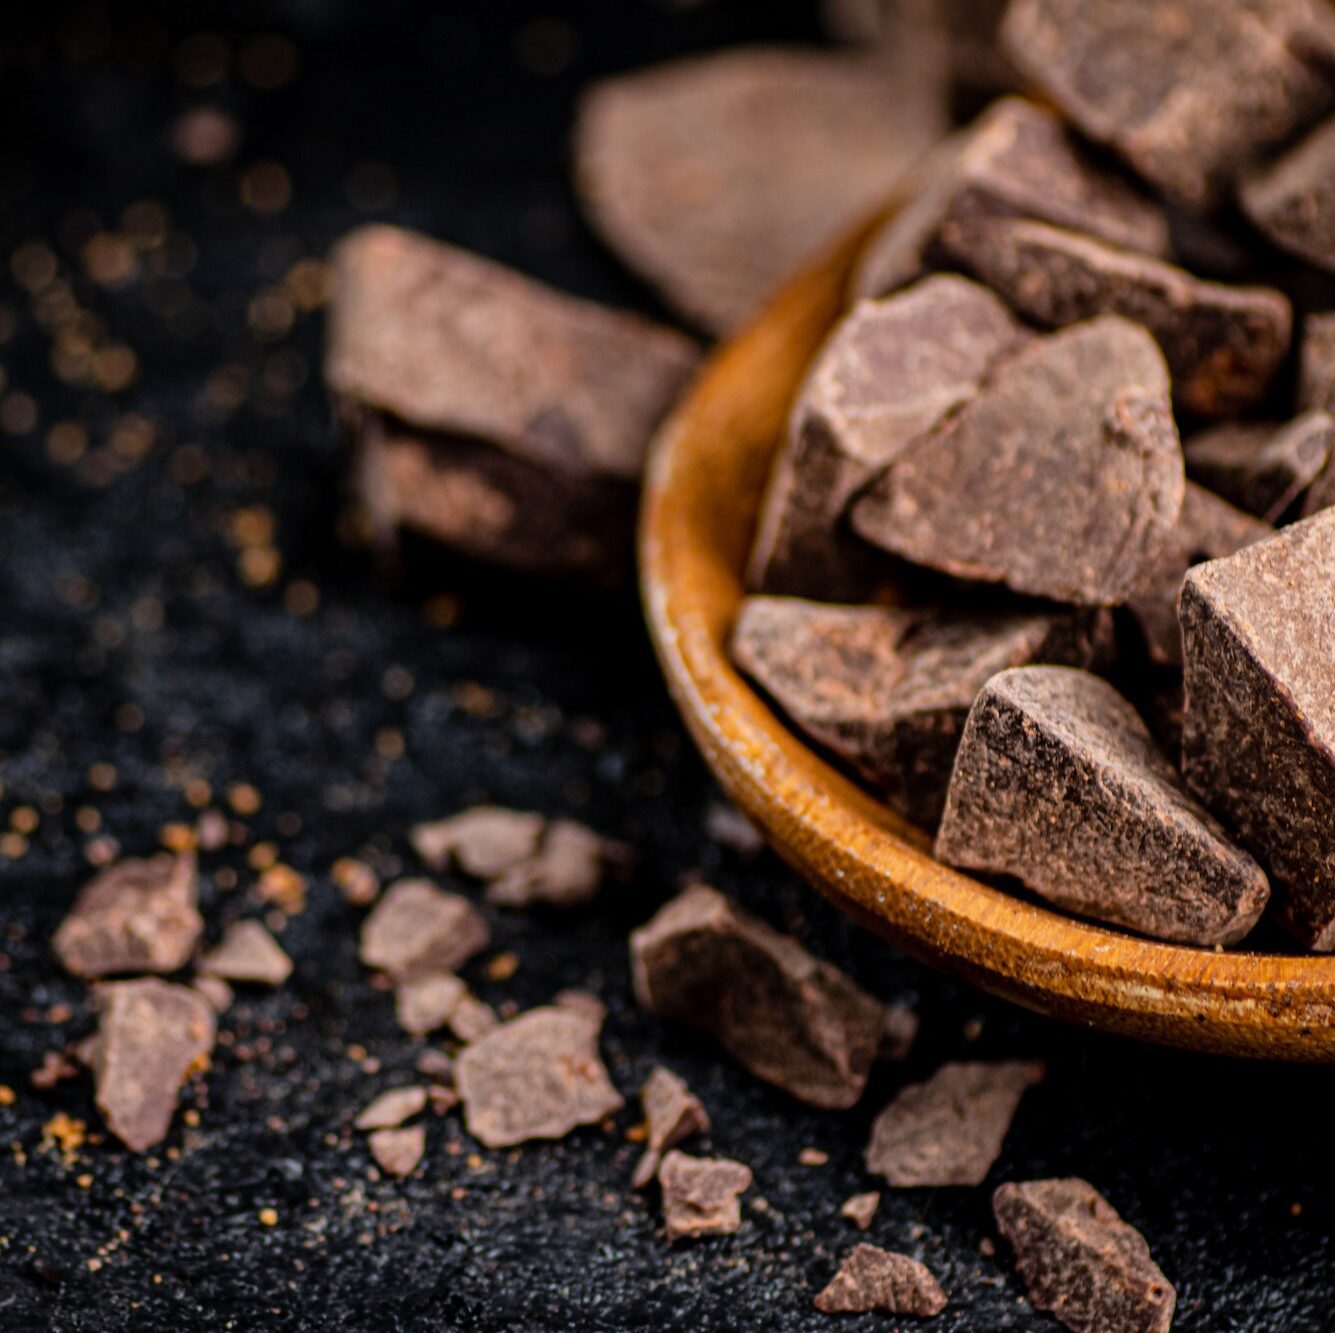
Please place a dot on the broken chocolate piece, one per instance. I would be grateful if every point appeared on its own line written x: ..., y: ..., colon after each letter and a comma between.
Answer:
x: 1316, y: 377
x: 1190, y: 94
x: 136, y: 916
x: 1258, y: 741
x: 151, y: 1037
x: 398, y: 1151
x: 673, y: 1112
x: 1080, y: 1261
x: 875, y: 1279
x: 390, y: 1109
x: 789, y: 1018
x: 949, y: 1130
x: 247, y: 952
x: 1293, y: 200
x: 471, y: 1018
x: 484, y: 842
x: 416, y: 928
x: 891, y: 370
x: 1224, y: 344
x: 1059, y: 784
x: 888, y: 690
x: 424, y: 1002
x: 700, y: 1195
x: 1262, y: 470
x: 536, y: 1077
x: 861, y: 1208
x: 567, y: 869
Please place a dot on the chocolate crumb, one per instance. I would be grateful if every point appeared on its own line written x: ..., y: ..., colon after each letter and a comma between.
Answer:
x: 398, y: 1151
x: 416, y: 928
x: 471, y: 1018
x: 390, y: 1109
x: 700, y: 1195
x: 566, y: 870
x: 435, y: 1064
x: 247, y: 952
x: 215, y: 990
x: 424, y: 1002
x: 484, y: 842
x: 860, y: 1209
x: 673, y: 1112
x: 55, y: 1068
x: 875, y: 1279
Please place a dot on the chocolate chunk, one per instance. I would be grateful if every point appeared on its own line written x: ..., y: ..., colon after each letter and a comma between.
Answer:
x: 1080, y: 1261
x: 1190, y: 94
x: 890, y: 371
x: 1316, y: 380
x: 700, y: 1195
x: 673, y: 1112
x: 1224, y: 344
x: 536, y: 1077
x: 949, y: 1130
x: 1293, y: 200
x: 875, y: 1279
x: 567, y: 870
x: 471, y: 1018
x: 1258, y: 739
x: 215, y: 990
x: 1016, y: 160
x: 398, y: 1151
x: 1060, y: 478
x: 715, y: 177
x: 887, y: 690
x: 484, y: 842
x: 136, y: 916
x: 1262, y: 470
x: 390, y: 1109
x: 861, y: 1208
x: 152, y: 1036
x: 1059, y: 783
x: 416, y: 928
x: 425, y: 1002
x: 1206, y: 529
x: 789, y: 1018
x: 247, y: 952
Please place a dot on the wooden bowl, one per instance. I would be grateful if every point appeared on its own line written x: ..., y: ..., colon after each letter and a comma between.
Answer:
x: 705, y: 480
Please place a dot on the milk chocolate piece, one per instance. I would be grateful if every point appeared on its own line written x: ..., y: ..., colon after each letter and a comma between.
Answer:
x: 875, y: 1279
x: 1016, y: 160
x: 1316, y: 379
x: 1224, y: 344
x: 700, y: 1195
x: 673, y: 1112
x: 888, y: 690
x: 247, y: 952
x: 471, y: 1018
x: 1262, y: 470
x: 398, y: 1151
x: 861, y: 1208
x: 426, y: 1001
x: 1258, y: 740
x: 890, y: 371
x: 1191, y: 92
x: 1059, y: 784
x: 390, y: 1109
x: 136, y: 916
x: 536, y: 1077
x: 566, y: 870
x: 714, y: 177
x: 789, y: 1018
x: 949, y: 1130
x: 1061, y: 478
x: 1079, y: 1261
x: 483, y: 842
x: 1293, y: 200
x: 416, y: 928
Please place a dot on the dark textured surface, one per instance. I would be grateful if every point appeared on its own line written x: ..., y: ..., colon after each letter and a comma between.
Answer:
x: 1223, y: 1166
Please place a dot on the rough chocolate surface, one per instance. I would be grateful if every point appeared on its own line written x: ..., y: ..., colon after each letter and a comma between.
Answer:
x: 949, y: 1130
x: 1316, y: 377
x: 1224, y: 344
x: 483, y: 842
x: 416, y: 928
x: 1059, y: 784
x: 247, y: 952
x: 1060, y: 478
x: 672, y: 1112
x: 1080, y: 1261
x: 888, y: 690
x: 700, y: 1195
x: 791, y: 1019
x: 1258, y: 740
x: 1293, y: 201
x: 890, y: 371
x: 875, y: 1279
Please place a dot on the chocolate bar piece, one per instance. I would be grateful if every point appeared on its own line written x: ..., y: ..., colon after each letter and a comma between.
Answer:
x: 1293, y: 200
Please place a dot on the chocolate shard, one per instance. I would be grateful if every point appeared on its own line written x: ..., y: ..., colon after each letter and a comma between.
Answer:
x: 391, y: 1108
x: 815, y: 141
x: 416, y: 928
x: 426, y: 1001
x: 471, y: 1018
x: 483, y: 842
x: 152, y: 1036
x: 1079, y: 1261
x: 397, y: 1152
x: 1206, y: 529
x: 673, y: 1112
x: 566, y: 870
x: 1016, y: 160
x: 1293, y: 200
x: 535, y: 1077
x: 861, y: 1208
x: 247, y: 952
x: 875, y: 1279
x: 1223, y: 343
x: 1258, y: 741
x: 789, y: 1018
x: 136, y: 916
x: 887, y: 690
x: 1316, y: 377
x: 1060, y: 479
x: 700, y: 1195
x: 949, y: 1130
x: 1059, y: 783
x: 891, y: 370
x: 1189, y: 99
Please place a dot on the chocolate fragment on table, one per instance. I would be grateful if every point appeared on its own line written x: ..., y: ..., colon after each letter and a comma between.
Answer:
x: 887, y: 690
x: 672, y: 1112
x: 1262, y: 470
x: 391, y: 1108
x: 1080, y: 1261
x: 860, y: 1209
x: 416, y: 928
x: 789, y: 1018
x: 1060, y: 478
x: 700, y: 1195
x: 397, y: 1152
x: 1224, y: 343
x: 484, y: 841
x: 949, y: 1130
x: 1316, y: 375
x: 875, y: 1279
x: 1258, y: 740
x: 1293, y: 200
x: 1191, y: 93
x: 471, y: 1018
x: 566, y: 870
x: 1059, y: 783
x: 425, y: 1001
x: 891, y: 370
x: 248, y: 953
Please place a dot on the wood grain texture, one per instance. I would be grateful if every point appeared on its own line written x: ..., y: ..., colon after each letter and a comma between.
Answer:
x: 702, y: 496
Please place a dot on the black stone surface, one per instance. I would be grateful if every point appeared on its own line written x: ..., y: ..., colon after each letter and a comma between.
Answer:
x: 127, y: 637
